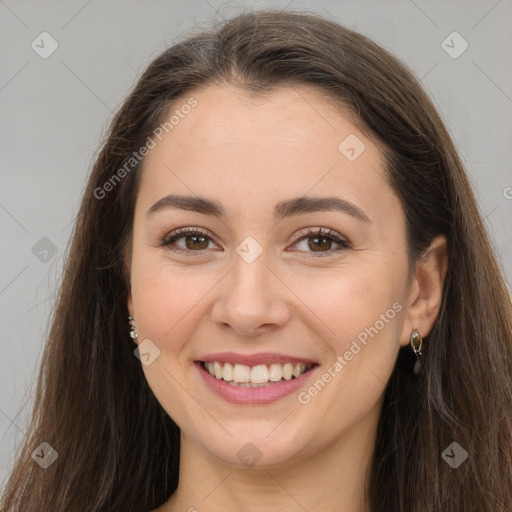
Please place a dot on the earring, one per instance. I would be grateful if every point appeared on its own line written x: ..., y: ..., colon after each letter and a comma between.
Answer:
x: 133, y: 329
x: 416, y: 343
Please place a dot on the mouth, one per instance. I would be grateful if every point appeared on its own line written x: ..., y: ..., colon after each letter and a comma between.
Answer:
x: 254, y: 384
x: 260, y: 375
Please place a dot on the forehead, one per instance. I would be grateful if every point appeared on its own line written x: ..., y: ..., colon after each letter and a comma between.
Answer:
x: 281, y: 119
x: 246, y: 148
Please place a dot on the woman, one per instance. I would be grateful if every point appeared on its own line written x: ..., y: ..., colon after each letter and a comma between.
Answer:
x: 281, y: 222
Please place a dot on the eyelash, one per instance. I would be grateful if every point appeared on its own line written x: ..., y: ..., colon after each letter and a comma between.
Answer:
x: 301, y: 235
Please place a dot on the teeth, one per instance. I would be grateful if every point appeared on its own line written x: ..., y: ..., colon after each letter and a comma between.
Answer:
x: 227, y: 372
x: 218, y: 370
x: 259, y: 374
x: 241, y: 373
x: 287, y: 371
x: 275, y: 372
x: 262, y: 374
x: 297, y: 370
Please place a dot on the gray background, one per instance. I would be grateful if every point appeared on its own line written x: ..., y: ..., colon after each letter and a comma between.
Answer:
x: 54, y: 112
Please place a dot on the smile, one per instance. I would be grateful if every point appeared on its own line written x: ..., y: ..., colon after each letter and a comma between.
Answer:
x: 255, y: 376
x: 260, y: 383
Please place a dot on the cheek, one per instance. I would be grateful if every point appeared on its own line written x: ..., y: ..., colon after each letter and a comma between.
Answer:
x: 349, y: 301
x: 167, y: 299
x: 361, y: 316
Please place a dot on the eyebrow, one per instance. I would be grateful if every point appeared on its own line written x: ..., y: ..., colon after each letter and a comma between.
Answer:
x: 287, y: 208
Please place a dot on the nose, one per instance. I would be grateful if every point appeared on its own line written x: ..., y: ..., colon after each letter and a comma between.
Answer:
x: 251, y: 299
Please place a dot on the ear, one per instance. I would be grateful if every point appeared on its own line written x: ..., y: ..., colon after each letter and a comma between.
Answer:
x: 426, y: 290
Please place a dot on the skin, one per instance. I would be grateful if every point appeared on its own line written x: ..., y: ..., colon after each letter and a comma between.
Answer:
x: 250, y: 153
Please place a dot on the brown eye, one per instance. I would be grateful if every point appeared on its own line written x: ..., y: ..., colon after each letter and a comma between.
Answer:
x: 321, y: 241
x: 195, y: 241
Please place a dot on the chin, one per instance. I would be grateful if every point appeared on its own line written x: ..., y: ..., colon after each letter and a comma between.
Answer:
x: 261, y: 446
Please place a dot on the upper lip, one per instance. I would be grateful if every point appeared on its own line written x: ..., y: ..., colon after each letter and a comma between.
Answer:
x: 254, y: 359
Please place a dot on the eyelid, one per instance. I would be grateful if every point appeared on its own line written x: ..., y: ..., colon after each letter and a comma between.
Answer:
x: 317, y: 231
x: 186, y: 231
x: 171, y: 238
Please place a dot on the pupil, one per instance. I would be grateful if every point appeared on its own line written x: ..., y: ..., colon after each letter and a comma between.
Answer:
x: 316, y: 241
x: 194, y: 245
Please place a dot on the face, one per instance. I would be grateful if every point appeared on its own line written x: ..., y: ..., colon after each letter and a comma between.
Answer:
x: 258, y: 287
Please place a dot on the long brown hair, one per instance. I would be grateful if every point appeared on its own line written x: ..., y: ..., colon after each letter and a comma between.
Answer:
x: 117, y: 448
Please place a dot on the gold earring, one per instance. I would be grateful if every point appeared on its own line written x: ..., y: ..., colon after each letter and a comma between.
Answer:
x: 133, y: 329
x: 416, y: 343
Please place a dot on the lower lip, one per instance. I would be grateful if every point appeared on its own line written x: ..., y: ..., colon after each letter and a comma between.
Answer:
x: 259, y: 395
